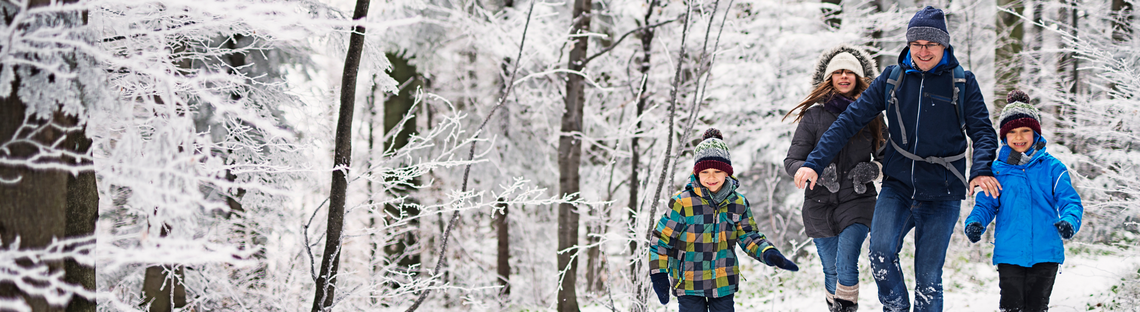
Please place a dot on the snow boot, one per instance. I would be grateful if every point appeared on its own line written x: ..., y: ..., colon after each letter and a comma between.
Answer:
x: 845, y: 306
x: 846, y: 298
x: 830, y: 299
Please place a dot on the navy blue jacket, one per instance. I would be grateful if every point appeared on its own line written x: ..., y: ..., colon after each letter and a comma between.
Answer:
x: 932, y: 129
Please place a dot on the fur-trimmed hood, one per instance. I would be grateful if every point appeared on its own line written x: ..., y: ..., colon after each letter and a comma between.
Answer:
x: 870, y: 68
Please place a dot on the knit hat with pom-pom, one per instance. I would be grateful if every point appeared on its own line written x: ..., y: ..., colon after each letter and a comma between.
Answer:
x: 712, y: 152
x: 1018, y: 113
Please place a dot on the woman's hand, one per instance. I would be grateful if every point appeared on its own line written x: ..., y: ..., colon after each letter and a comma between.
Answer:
x: 805, y: 175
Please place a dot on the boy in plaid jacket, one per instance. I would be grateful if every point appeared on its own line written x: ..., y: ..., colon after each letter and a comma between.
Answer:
x: 695, y: 237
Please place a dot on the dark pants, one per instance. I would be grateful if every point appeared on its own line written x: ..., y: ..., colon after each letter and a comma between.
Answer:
x: 1026, y: 289
x: 704, y: 304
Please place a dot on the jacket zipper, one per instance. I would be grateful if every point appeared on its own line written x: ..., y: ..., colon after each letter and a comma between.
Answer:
x: 917, y: 121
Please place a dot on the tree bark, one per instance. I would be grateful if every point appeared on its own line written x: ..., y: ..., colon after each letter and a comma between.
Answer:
x: 634, y: 149
x: 395, y: 107
x: 1011, y: 36
x: 82, y: 212
x: 45, y: 205
x: 503, y: 256
x: 1122, y: 25
x: 33, y: 209
x: 833, y: 16
x: 569, y: 159
x: 342, y: 159
x: 162, y: 287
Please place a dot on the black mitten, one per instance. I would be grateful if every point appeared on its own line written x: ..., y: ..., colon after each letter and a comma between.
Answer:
x: 660, y: 286
x: 974, y: 231
x: 863, y: 173
x: 830, y: 178
x: 773, y: 257
x: 1064, y: 228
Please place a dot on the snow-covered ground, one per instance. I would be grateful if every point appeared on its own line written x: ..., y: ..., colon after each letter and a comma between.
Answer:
x: 1085, y: 283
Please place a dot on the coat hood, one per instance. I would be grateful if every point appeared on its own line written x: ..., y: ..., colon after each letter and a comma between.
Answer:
x: 870, y: 68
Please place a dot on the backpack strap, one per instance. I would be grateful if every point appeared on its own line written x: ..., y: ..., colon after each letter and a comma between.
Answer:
x: 893, y: 81
x: 959, y: 83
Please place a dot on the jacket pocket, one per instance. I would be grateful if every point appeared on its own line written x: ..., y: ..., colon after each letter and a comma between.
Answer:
x: 817, y: 218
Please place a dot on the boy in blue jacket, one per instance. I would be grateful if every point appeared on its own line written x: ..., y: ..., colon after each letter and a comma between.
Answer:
x: 1037, y: 208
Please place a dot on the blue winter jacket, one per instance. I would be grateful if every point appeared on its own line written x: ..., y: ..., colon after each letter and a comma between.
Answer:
x: 1033, y: 197
x: 932, y: 129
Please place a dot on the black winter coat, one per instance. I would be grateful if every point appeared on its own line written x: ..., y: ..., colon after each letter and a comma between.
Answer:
x: 825, y: 214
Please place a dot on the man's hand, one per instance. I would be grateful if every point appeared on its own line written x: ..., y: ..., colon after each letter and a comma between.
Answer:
x: 805, y: 175
x: 989, y: 184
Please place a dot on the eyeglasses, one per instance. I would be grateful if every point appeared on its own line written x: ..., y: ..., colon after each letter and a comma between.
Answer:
x: 928, y: 46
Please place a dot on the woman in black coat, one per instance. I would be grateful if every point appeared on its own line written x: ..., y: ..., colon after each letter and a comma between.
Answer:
x: 838, y: 216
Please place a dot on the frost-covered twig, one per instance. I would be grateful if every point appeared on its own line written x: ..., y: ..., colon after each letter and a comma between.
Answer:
x: 467, y: 168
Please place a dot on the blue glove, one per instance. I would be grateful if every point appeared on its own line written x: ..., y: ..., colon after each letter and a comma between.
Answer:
x: 1064, y: 228
x: 773, y: 257
x: 974, y: 231
x: 660, y: 286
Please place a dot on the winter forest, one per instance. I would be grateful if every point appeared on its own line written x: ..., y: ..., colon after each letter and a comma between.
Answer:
x: 486, y: 155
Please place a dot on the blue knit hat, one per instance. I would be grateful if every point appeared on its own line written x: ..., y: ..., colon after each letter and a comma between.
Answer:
x: 928, y: 24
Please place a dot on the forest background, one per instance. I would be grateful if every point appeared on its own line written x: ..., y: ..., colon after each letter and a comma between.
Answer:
x: 494, y: 155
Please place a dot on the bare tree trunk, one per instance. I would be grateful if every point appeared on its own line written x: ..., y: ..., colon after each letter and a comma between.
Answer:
x: 1122, y: 24
x: 395, y: 107
x: 594, y: 264
x: 162, y: 287
x: 82, y: 212
x: 373, y: 214
x: 38, y: 206
x: 634, y: 149
x: 1010, y: 36
x: 569, y: 159
x: 502, y: 229
x: 43, y: 192
x: 342, y: 158
x: 833, y: 16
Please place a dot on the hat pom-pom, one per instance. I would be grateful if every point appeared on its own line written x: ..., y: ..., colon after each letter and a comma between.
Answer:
x: 1017, y: 96
x: 712, y: 133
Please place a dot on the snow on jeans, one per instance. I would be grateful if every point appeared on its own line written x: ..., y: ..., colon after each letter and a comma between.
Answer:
x: 840, y: 256
x: 933, y: 223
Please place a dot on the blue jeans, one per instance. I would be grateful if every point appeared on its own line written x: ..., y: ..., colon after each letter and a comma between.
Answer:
x: 704, y: 304
x: 933, y: 222
x: 840, y: 256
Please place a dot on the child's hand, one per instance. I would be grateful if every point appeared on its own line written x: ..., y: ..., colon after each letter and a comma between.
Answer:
x: 974, y: 231
x: 1064, y: 228
x: 660, y: 286
x: 773, y: 257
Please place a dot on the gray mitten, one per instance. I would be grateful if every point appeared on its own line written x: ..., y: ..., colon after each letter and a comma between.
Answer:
x: 830, y: 178
x: 862, y: 174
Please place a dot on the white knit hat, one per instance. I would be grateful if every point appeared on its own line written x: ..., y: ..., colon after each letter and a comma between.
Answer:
x: 844, y: 61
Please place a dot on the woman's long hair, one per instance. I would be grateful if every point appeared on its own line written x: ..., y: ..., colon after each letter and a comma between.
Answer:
x: 824, y: 91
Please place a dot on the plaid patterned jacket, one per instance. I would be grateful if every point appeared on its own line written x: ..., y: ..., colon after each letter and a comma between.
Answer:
x: 695, y: 238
